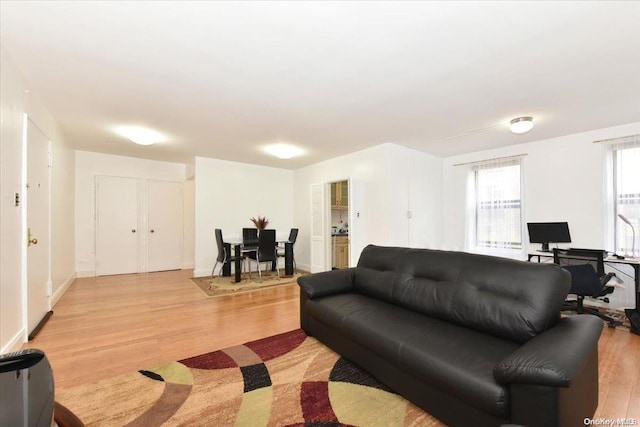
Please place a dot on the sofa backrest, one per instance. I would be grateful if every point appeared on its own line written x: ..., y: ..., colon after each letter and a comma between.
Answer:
x: 511, y: 299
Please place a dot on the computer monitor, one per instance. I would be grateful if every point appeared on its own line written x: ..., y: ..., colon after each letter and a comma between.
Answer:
x: 548, y: 232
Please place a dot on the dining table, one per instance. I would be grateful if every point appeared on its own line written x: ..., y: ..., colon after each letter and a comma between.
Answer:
x: 239, y: 249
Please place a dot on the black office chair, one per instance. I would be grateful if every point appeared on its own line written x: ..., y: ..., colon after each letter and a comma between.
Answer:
x: 224, y: 254
x: 588, y: 279
x: 293, y: 236
x: 266, y: 251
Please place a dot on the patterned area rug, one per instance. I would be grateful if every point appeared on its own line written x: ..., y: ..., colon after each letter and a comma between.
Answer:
x: 287, y: 379
x: 219, y: 286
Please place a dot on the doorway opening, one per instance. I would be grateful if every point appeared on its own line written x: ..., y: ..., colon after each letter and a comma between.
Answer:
x: 339, y: 224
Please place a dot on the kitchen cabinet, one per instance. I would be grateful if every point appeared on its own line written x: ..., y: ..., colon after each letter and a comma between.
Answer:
x: 341, y: 251
x: 340, y: 195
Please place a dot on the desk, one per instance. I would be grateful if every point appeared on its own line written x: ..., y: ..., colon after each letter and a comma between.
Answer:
x: 633, y: 263
x: 238, y: 249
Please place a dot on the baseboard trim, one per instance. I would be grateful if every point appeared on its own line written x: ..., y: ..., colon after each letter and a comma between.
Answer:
x: 202, y: 272
x: 304, y: 267
x: 89, y: 273
x: 15, y: 343
x: 62, y: 289
x: 188, y: 266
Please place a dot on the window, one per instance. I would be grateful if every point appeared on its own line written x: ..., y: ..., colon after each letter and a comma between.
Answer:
x: 626, y: 194
x: 494, y: 219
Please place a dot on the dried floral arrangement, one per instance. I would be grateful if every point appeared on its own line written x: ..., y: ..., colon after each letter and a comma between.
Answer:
x: 261, y: 222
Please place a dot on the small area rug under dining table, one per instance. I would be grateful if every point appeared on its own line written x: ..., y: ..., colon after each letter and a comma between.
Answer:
x: 286, y: 379
x: 220, y: 286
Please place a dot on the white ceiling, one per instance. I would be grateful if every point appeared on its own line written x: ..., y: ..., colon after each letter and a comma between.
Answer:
x: 222, y: 79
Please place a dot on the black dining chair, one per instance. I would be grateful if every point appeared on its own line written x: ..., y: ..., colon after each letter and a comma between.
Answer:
x: 266, y: 251
x: 293, y: 236
x: 249, y: 239
x: 224, y: 254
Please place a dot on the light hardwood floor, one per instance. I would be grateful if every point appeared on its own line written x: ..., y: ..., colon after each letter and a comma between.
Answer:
x: 112, y: 325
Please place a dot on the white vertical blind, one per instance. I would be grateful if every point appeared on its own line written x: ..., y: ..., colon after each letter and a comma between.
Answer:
x: 626, y: 193
x: 494, y: 209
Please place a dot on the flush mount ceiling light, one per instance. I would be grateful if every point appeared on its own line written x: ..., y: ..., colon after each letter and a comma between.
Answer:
x: 140, y: 135
x: 283, y: 151
x: 521, y: 125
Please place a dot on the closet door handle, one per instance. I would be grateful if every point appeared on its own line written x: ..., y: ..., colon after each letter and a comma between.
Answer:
x: 133, y: 230
x: 152, y: 231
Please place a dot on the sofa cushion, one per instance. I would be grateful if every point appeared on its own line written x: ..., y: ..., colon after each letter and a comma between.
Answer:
x: 376, y: 272
x: 456, y: 360
x: 510, y: 299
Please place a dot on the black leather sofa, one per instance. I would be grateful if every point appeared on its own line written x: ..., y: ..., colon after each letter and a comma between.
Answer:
x: 473, y: 340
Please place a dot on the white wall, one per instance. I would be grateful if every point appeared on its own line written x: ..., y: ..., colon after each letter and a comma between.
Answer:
x: 388, y: 180
x: 189, y: 217
x: 88, y: 166
x: 12, y: 108
x: 564, y: 180
x: 15, y: 103
x: 227, y: 194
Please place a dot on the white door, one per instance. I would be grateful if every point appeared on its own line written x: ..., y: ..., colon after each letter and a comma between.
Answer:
x: 164, y: 225
x: 116, y: 225
x: 38, y: 207
x: 318, y: 232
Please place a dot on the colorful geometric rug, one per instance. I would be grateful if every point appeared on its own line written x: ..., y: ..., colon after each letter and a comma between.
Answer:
x: 220, y: 286
x: 288, y: 379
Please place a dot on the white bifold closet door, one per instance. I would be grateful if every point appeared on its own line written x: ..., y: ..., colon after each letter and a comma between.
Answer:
x: 117, y: 225
x: 165, y: 225
x: 139, y: 225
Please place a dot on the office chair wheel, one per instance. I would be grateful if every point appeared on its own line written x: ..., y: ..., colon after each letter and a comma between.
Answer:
x: 612, y: 323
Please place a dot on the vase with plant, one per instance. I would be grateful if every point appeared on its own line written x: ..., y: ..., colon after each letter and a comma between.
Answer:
x: 261, y: 222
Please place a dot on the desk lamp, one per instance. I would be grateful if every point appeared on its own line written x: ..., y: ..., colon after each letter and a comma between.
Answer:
x: 633, y: 230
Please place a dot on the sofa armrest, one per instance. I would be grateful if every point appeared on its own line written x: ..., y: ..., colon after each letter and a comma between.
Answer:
x: 554, y: 357
x: 327, y: 283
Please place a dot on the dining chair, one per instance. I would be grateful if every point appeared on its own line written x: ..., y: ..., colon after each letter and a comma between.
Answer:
x: 293, y: 236
x: 224, y: 255
x: 250, y: 237
x: 266, y: 251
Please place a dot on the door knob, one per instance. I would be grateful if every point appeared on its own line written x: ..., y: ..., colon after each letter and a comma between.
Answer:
x: 133, y: 230
x: 31, y: 241
x: 152, y: 231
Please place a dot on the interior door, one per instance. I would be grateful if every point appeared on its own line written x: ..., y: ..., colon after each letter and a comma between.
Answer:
x: 318, y: 232
x: 165, y: 225
x: 38, y: 220
x: 116, y: 225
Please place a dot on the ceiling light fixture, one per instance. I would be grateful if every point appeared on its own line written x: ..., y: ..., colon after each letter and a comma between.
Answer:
x: 140, y: 135
x: 521, y: 125
x: 283, y: 151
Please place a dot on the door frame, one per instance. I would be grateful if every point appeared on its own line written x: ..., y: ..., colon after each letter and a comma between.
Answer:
x: 327, y: 221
